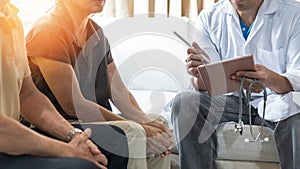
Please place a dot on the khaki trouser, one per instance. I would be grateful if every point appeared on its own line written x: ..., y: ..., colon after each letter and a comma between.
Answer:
x: 136, y: 138
x: 137, y: 146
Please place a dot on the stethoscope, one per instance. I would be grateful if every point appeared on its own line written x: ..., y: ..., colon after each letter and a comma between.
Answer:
x: 239, y: 126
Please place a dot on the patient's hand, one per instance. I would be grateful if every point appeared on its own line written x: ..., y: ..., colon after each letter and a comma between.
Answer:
x: 84, y: 148
x: 159, y: 138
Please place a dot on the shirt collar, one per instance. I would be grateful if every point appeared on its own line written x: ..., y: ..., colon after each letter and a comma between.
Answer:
x: 268, y: 6
x: 8, y: 18
x: 11, y: 11
x: 65, y: 19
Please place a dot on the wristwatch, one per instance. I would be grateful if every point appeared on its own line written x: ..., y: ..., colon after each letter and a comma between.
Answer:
x: 71, y: 134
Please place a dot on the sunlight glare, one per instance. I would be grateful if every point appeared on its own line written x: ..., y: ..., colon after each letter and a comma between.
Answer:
x: 30, y: 10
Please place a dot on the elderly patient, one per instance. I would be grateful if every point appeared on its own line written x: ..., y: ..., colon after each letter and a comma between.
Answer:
x: 71, y: 63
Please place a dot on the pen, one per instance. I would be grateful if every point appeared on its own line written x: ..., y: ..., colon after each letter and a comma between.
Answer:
x: 188, y: 44
x: 182, y: 39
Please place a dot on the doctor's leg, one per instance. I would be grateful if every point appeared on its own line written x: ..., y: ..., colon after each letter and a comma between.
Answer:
x: 287, y: 136
x: 195, y: 116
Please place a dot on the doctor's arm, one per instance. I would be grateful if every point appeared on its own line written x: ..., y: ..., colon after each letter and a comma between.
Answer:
x: 194, y: 60
x: 290, y: 79
x: 202, y: 46
x: 293, y: 59
x: 274, y: 81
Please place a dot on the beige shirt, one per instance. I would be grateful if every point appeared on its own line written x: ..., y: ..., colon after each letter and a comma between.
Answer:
x: 13, y: 62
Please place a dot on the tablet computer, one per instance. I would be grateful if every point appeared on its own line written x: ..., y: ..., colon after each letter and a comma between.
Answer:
x: 217, y: 76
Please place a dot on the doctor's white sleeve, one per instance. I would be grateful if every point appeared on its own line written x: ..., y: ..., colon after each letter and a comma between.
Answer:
x: 293, y: 58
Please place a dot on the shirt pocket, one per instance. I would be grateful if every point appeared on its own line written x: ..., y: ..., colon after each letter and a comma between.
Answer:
x: 273, y: 60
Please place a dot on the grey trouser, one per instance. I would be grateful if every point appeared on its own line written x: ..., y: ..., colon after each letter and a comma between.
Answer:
x: 195, y: 116
x: 30, y: 162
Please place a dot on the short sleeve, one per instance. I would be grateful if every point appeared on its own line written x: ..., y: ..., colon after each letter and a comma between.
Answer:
x: 108, y: 55
x: 106, y: 45
x: 47, y: 40
x: 27, y: 71
x: 22, y: 60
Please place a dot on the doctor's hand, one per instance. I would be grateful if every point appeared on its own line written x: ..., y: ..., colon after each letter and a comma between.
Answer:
x: 196, y: 57
x: 269, y: 78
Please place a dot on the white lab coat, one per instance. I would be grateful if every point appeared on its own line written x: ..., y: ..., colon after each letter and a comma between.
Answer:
x: 274, y: 42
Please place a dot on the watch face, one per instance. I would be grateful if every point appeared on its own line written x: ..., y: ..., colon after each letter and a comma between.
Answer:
x: 77, y: 130
x: 72, y: 132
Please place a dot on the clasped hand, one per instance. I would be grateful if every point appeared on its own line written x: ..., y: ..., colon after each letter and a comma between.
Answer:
x: 86, y: 149
x: 159, y: 138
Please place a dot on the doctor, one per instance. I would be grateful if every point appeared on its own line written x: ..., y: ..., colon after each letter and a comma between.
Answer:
x: 235, y: 28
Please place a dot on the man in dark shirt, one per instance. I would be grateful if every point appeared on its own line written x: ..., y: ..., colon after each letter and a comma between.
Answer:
x: 71, y: 63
